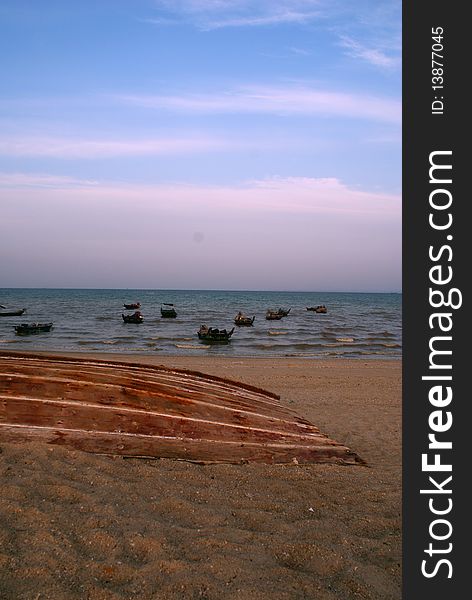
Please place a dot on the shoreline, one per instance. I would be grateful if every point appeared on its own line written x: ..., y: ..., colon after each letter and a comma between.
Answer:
x: 165, y: 528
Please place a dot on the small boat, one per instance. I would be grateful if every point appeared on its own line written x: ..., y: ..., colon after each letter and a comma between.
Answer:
x: 145, y: 411
x: 273, y: 315
x: 284, y: 312
x: 168, y: 311
x: 136, y: 317
x: 12, y: 313
x: 241, y: 319
x: 133, y: 306
x: 28, y: 328
x: 321, y: 309
x: 214, y: 335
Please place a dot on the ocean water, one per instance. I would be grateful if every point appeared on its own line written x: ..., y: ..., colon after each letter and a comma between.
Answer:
x: 356, y: 325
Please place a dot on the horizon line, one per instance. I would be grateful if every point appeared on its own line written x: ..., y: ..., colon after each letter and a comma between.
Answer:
x: 145, y: 289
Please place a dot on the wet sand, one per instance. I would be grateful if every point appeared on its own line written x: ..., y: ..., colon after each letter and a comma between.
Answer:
x: 84, y: 526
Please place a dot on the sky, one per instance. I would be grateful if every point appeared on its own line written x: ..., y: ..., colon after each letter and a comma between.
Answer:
x: 201, y: 144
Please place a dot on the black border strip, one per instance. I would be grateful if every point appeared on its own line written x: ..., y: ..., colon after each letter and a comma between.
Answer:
x: 429, y: 128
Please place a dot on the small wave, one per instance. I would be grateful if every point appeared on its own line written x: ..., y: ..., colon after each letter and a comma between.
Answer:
x: 193, y: 346
x: 277, y: 332
x: 380, y: 336
x: 345, y: 339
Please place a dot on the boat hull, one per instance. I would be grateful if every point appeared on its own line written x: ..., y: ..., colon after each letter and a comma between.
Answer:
x: 109, y: 407
x: 12, y: 313
x: 27, y: 329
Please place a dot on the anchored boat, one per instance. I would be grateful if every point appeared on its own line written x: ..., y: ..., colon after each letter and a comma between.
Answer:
x: 12, y: 313
x: 29, y: 328
x: 242, y: 320
x: 136, y: 317
x: 168, y: 311
x: 214, y: 335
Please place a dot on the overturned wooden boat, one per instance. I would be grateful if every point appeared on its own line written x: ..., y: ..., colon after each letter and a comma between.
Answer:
x: 128, y: 409
x: 213, y: 335
x: 242, y: 320
x: 136, y: 317
x: 12, y: 313
x: 32, y: 328
x: 133, y: 306
x: 168, y: 311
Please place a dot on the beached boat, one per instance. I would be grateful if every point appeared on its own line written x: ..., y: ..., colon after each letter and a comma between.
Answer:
x: 29, y: 328
x: 136, y: 317
x: 168, y: 311
x: 242, y: 320
x: 273, y: 315
x: 12, y: 313
x: 321, y: 309
x: 133, y: 306
x: 145, y: 411
x: 214, y: 335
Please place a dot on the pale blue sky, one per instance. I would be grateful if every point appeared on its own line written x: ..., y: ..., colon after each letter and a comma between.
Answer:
x: 201, y: 144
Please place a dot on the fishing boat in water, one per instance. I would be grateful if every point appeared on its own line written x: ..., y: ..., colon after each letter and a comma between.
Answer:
x: 273, y: 315
x: 145, y: 411
x: 242, y: 320
x: 136, y: 317
x: 168, y: 311
x: 12, y: 313
x: 321, y: 309
x: 29, y: 328
x: 134, y: 306
x: 214, y: 335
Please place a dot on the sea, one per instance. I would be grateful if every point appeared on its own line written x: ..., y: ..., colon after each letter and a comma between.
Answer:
x: 356, y: 325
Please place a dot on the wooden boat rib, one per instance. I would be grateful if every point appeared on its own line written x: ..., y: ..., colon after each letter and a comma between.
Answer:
x: 110, y: 407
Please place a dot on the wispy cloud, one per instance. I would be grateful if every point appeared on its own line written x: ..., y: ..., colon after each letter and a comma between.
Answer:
x: 42, y: 181
x: 291, y: 195
x: 270, y: 19
x: 375, y: 56
x: 299, y: 51
x: 74, y: 148
x: 278, y: 100
x: 90, y: 235
x: 217, y: 14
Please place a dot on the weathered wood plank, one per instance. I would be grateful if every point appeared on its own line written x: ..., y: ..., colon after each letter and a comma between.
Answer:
x: 135, y: 410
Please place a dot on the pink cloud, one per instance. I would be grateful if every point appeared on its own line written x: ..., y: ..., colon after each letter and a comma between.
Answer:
x: 278, y: 100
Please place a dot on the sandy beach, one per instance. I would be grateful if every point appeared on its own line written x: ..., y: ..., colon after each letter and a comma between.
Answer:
x: 84, y: 526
